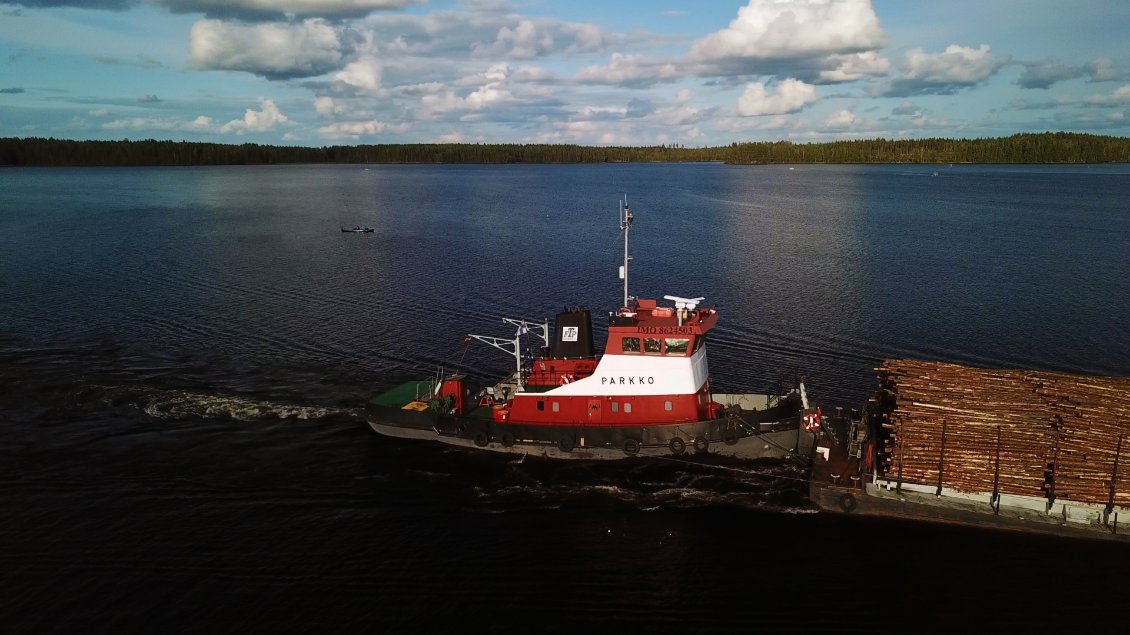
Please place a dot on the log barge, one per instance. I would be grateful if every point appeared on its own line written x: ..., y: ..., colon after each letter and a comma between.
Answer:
x: 1022, y: 450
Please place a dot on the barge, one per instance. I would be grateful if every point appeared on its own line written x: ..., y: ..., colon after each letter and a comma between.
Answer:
x: 1021, y: 450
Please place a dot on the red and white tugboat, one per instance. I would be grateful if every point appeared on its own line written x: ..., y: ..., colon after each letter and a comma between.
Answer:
x: 647, y: 394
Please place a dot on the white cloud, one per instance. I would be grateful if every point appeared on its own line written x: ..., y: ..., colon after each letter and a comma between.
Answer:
x: 275, y: 50
x: 256, y: 120
x: 682, y: 96
x: 628, y: 70
x: 839, y: 120
x: 492, y: 91
x: 783, y: 29
x: 160, y: 124
x: 789, y: 96
x: 847, y: 68
x: 1103, y: 69
x: 523, y: 41
x: 1118, y: 97
x: 947, y: 72
x: 356, y: 129
x: 958, y: 64
x: 363, y: 75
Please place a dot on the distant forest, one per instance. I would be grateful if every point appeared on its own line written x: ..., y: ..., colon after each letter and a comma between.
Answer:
x: 1057, y: 147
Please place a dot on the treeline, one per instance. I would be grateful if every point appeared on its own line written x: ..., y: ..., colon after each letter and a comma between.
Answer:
x: 1059, y: 147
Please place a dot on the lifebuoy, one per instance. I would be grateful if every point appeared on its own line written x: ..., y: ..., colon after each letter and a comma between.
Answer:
x: 847, y: 502
x: 508, y: 439
x: 565, y: 443
x: 482, y: 438
x: 631, y: 447
x: 701, y: 445
x: 811, y: 421
x: 566, y: 379
x: 730, y: 436
x: 678, y: 446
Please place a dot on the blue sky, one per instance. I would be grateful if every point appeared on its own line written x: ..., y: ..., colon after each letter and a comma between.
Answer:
x: 325, y: 72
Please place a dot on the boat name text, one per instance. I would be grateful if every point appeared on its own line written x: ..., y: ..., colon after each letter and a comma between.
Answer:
x: 637, y: 380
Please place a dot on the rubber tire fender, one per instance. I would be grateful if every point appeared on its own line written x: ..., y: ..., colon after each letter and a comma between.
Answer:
x: 565, y: 443
x: 847, y: 502
x: 701, y: 445
x: 508, y: 439
x: 678, y: 446
x: 730, y: 436
x: 482, y: 438
x: 631, y: 447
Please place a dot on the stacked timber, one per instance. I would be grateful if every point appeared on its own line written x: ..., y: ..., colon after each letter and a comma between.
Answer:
x: 1028, y: 433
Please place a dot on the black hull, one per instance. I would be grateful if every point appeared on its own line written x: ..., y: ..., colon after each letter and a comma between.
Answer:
x: 752, y: 436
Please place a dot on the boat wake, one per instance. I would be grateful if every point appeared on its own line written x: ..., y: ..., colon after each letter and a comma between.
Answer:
x: 169, y: 404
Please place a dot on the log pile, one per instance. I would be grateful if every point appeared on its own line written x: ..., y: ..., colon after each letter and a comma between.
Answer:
x: 1029, y: 433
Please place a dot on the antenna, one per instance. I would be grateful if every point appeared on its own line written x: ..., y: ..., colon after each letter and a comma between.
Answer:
x: 625, y: 224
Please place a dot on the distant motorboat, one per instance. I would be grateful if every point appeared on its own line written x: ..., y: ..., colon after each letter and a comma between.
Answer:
x: 357, y: 229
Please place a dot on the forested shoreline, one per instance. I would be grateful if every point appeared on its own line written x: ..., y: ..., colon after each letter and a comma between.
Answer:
x: 1049, y: 147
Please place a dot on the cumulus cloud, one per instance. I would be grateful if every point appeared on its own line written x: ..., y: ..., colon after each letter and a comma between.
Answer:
x: 357, y: 129
x: 362, y: 75
x: 1046, y: 73
x: 149, y: 99
x: 274, y: 50
x: 1119, y: 97
x: 1103, y: 69
x: 160, y: 124
x: 787, y: 29
x: 522, y: 41
x: 629, y: 70
x: 848, y: 68
x: 945, y: 73
x: 491, y: 91
x: 906, y: 108
x: 789, y: 96
x: 840, y: 120
x: 256, y: 120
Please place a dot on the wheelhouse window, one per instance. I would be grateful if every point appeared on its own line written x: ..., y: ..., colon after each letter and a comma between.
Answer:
x: 652, y: 345
x: 631, y: 344
x: 677, y: 345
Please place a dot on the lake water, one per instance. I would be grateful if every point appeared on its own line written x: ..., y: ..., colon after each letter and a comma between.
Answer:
x: 184, y: 352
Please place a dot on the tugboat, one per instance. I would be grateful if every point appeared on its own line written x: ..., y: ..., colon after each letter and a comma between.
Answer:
x: 648, y: 394
x: 357, y: 229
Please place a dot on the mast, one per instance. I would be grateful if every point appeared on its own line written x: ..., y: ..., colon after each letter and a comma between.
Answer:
x: 625, y: 225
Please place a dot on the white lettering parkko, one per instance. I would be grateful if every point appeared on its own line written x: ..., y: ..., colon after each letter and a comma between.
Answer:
x: 629, y: 381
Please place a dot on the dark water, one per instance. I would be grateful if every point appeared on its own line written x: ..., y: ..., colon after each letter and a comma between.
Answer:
x: 183, y: 353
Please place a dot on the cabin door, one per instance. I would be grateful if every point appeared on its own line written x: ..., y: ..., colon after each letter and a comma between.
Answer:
x: 594, y: 410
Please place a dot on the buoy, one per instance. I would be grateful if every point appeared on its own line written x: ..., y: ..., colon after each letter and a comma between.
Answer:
x: 631, y: 446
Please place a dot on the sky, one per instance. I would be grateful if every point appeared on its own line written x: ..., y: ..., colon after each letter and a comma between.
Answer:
x: 608, y: 72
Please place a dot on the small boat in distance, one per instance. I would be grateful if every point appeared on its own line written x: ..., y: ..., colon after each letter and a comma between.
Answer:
x: 357, y: 229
